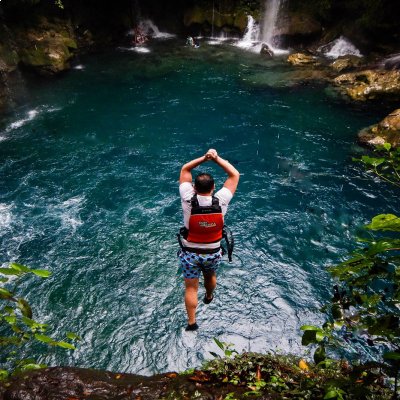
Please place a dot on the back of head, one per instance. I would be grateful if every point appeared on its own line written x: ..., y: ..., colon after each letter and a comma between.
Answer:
x: 204, y: 183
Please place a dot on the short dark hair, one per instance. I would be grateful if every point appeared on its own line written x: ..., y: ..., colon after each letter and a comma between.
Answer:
x: 204, y: 183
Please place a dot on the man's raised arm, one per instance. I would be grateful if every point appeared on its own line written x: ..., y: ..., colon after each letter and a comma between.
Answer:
x: 186, y: 171
x: 233, y: 174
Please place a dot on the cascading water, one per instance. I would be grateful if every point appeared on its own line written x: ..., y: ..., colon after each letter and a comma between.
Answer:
x: 251, y: 35
x: 149, y: 28
x: 339, y: 47
x: 269, y: 22
x: 254, y: 37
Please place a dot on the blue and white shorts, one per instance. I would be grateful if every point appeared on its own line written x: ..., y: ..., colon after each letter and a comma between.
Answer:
x: 193, y: 264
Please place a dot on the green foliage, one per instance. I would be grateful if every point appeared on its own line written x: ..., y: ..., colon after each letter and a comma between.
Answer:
x: 386, y: 165
x: 369, y: 297
x: 366, y: 297
x: 225, y: 347
x: 254, y: 375
x: 18, y: 328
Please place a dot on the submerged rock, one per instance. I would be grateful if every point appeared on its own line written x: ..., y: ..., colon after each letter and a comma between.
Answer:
x: 369, y: 84
x: 386, y: 131
x: 301, y: 59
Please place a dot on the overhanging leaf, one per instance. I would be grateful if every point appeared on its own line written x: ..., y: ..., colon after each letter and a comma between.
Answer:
x: 44, y: 339
x: 5, y: 294
x: 25, y: 308
x: 385, y: 222
x: 19, y: 267
x: 44, y: 273
x: 308, y: 337
x: 65, y: 345
x: 9, y: 271
x: 72, y: 336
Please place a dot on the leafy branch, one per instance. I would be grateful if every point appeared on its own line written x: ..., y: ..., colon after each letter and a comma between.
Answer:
x: 386, y: 166
x: 18, y: 327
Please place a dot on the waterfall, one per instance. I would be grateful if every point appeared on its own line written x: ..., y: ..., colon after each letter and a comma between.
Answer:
x: 150, y: 29
x: 250, y: 37
x: 254, y: 37
x: 269, y: 22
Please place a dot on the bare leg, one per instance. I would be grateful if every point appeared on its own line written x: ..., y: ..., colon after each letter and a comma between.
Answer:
x: 191, y: 289
x: 210, y: 283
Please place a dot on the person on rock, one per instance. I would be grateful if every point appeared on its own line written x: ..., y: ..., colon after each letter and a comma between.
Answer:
x: 203, y: 215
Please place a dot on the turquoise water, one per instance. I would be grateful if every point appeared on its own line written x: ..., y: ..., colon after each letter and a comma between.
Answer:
x: 89, y: 189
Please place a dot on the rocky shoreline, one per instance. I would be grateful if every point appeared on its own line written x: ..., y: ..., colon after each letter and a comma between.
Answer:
x: 69, y: 383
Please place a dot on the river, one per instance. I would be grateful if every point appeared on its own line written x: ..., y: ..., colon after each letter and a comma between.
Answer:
x: 89, y: 190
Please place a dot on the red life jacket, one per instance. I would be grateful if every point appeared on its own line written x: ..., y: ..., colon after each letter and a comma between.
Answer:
x: 206, y: 222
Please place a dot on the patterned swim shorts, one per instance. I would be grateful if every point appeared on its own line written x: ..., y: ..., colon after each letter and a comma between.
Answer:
x: 193, y: 264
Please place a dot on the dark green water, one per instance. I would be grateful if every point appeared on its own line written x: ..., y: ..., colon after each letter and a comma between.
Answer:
x: 88, y: 184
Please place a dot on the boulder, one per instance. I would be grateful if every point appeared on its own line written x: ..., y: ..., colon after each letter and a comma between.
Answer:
x: 297, y: 29
x: 236, y: 19
x: 301, y: 59
x: 369, y: 84
x: 47, y: 48
x: 346, y: 63
x: 299, y: 24
x: 386, y: 131
x: 266, y: 51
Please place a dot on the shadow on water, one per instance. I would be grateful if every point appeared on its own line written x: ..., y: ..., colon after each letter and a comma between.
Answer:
x: 89, y: 190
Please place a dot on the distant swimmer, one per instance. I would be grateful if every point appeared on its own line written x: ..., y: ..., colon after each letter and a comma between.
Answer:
x: 190, y: 42
x: 203, y: 214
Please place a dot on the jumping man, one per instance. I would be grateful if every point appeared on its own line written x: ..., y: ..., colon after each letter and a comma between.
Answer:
x: 203, y: 215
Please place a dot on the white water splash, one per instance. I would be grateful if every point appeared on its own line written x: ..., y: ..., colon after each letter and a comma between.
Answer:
x: 79, y: 67
x: 223, y: 37
x: 254, y: 37
x: 29, y: 116
x: 148, y: 27
x: 68, y: 212
x: 136, y: 49
x: 339, y: 47
x: 250, y: 40
x: 5, y: 216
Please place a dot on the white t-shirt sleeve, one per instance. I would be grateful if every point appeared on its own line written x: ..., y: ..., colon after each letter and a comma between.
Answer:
x: 224, y: 195
x: 186, y: 191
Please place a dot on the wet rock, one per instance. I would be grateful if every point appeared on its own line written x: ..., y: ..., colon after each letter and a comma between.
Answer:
x: 301, y: 59
x: 386, y: 131
x: 78, y: 383
x: 10, y: 80
x: 392, y: 62
x: 300, y: 24
x: 204, y: 16
x: 266, y: 51
x: 297, y: 28
x: 47, y: 48
x: 369, y: 84
x: 346, y: 63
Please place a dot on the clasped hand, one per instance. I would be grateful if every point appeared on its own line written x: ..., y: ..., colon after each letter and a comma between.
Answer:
x: 211, y: 154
